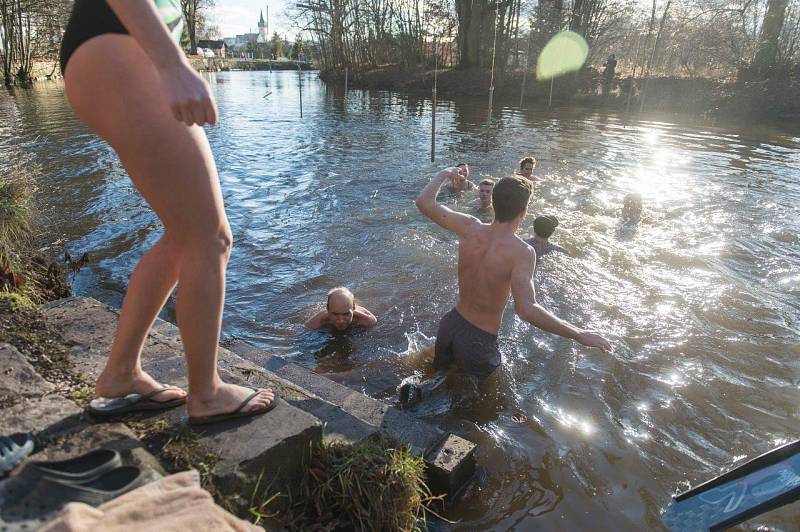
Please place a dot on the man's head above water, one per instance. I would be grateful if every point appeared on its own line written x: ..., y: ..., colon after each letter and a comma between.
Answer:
x: 510, y: 199
x: 340, y: 306
x: 543, y: 226
x: 632, y: 207
x: 485, y: 189
x: 526, y: 166
x: 341, y: 312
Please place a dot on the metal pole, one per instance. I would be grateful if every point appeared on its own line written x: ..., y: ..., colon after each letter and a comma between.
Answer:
x: 300, y: 88
x: 433, y: 105
x: 633, y: 73
x: 525, y: 73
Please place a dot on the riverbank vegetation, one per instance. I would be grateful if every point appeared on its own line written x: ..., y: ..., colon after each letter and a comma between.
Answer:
x: 748, y: 50
x: 374, y: 484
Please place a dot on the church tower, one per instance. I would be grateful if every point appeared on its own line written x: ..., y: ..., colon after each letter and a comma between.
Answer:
x: 263, y: 27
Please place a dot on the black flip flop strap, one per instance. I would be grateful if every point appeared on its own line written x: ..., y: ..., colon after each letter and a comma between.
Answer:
x: 152, y: 394
x: 246, y: 401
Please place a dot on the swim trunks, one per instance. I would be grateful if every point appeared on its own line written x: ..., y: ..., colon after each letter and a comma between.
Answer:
x: 91, y: 18
x: 472, y: 349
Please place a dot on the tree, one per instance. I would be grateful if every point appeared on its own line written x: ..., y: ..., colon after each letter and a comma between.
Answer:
x: 194, y: 12
x: 276, y: 43
x: 771, y: 28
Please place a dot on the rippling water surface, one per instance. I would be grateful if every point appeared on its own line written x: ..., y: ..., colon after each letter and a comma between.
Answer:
x: 701, y: 299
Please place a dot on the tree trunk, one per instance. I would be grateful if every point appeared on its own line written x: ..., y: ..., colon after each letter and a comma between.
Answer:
x: 767, y: 53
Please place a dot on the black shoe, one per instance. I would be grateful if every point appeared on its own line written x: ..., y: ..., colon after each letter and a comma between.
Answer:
x: 50, y: 495
x: 76, y: 470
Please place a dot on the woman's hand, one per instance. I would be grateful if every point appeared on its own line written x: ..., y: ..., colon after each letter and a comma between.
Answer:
x: 188, y: 95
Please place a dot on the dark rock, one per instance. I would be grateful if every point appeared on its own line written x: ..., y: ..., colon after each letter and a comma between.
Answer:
x: 18, y: 379
x: 49, y: 416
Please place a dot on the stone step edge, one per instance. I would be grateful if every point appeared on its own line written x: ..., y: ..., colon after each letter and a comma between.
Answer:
x: 450, y: 458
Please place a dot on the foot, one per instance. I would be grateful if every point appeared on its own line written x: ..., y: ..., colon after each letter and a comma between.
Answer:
x: 109, y: 386
x: 227, y: 398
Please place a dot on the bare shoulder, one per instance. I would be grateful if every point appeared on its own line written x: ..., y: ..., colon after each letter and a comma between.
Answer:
x: 317, y: 321
x: 522, y: 250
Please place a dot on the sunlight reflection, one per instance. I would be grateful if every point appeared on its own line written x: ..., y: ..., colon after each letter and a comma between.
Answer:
x: 571, y: 421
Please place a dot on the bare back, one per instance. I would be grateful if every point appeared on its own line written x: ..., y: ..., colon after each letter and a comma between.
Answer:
x: 486, y: 259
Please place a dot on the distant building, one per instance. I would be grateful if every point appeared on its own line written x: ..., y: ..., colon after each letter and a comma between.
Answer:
x: 218, y: 47
x: 244, y: 39
x: 263, y: 27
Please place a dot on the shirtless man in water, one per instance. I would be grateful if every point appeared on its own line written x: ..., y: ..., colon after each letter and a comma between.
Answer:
x: 492, y: 263
x: 341, y: 312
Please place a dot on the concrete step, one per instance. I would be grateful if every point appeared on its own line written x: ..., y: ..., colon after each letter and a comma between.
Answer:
x: 348, y: 415
x: 449, y: 458
x: 275, y: 444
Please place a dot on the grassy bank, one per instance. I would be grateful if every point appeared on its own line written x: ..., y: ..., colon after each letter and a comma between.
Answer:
x: 767, y: 100
x: 222, y: 64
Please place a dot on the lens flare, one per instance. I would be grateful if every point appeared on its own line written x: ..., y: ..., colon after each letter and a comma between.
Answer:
x: 566, y: 52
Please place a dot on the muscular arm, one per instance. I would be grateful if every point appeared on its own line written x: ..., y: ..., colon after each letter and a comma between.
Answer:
x: 526, y: 307
x: 317, y: 321
x: 363, y: 317
x: 456, y: 222
x: 525, y: 301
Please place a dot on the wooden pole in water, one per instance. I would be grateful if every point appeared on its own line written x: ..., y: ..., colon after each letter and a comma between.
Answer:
x: 345, y: 81
x: 525, y: 73
x: 433, y: 104
x: 550, y: 102
x: 633, y: 73
x: 300, y: 87
x: 491, y: 82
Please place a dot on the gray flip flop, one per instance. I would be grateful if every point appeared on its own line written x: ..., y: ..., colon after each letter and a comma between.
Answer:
x: 13, y: 450
x: 111, y: 407
x: 206, y: 420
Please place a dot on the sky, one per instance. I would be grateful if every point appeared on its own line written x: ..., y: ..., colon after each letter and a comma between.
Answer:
x: 241, y: 16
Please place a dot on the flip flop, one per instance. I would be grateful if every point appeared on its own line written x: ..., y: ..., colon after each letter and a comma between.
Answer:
x: 206, y: 420
x: 13, y: 450
x: 103, y: 407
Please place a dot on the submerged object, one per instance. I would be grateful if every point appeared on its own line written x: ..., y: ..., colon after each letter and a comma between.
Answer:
x: 765, y: 483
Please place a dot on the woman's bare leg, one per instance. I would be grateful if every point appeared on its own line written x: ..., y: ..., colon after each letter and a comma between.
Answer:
x: 116, y: 91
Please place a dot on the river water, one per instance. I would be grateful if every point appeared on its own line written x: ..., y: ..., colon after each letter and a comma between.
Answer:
x: 700, y: 299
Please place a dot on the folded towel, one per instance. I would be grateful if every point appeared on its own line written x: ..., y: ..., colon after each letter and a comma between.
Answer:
x: 174, y: 503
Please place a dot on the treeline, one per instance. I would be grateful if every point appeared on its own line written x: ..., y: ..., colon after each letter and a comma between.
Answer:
x: 682, y: 38
x: 31, y: 30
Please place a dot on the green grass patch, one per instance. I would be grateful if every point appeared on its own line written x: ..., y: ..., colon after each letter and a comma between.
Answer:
x: 16, y: 209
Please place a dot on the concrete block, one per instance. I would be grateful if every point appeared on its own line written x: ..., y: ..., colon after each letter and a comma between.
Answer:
x: 450, y: 464
x: 276, y: 444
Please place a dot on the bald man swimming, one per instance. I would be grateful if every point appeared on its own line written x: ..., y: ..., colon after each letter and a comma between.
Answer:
x: 341, y: 313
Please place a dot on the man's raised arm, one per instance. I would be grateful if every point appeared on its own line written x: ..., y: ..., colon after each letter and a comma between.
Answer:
x: 526, y: 307
x: 447, y: 218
